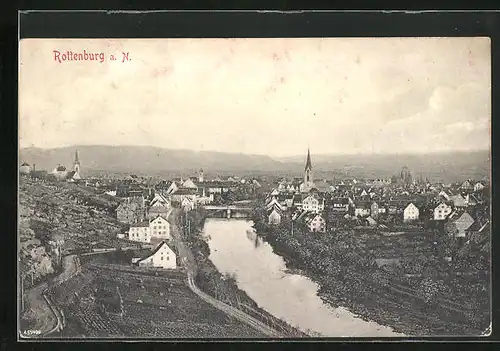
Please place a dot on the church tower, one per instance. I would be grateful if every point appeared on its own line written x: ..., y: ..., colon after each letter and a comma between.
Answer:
x: 200, y: 176
x: 308, y: 172
x: 76, y: 163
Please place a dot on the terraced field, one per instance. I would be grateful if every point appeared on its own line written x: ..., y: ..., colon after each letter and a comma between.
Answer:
x: 153, y: 307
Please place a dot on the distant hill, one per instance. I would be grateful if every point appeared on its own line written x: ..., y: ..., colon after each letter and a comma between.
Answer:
x: 156, y: 161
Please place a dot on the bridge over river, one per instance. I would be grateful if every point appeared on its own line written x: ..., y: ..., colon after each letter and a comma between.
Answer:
x: 229, y: 211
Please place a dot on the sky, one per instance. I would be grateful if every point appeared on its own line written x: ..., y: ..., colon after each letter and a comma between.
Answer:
x: 260, y: 96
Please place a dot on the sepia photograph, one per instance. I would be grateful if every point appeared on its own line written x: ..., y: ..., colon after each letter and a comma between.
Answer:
x: 254, y: 188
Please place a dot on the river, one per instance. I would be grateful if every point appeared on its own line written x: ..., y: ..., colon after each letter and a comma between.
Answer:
x: 235, y: 249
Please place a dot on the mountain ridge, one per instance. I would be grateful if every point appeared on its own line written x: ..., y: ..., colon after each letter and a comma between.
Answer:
x: 155, y: 160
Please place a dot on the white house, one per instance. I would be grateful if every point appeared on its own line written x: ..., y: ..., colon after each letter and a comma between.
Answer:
x: 478, y: 186
x: 140, y: 232
x: 160, y: 228
x: 274, y: 216
x: 410, y: 213
x: 315, y: 223
x: 162, y: 256
x: 313, y: 204
x: 25, y: 168
x: 441, y: 211
x: 187, y: 204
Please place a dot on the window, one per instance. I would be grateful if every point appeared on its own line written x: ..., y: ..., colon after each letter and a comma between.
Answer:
x: 168, y: 258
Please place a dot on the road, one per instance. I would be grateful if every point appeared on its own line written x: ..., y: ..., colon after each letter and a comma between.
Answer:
x: 48, y: 317
x: 189, y: 262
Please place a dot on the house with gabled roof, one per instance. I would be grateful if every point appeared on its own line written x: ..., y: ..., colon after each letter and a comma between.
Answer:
x: 274, y: 215
x: 411, y: 213
x: 313, y: 203
x: 161, y: 257
x: 273, y: 201
x: 458, y: 200
x: 362, y: 208
x: 25, y: 168
x: 442, y: 211
x: 479, y: 186
x: 467, y: 185
x: 140, y: 232
x: 314, y: 222
x: 160, y: 227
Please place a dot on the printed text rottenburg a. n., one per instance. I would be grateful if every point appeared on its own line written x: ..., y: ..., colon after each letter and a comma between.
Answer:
x: 69, y: 55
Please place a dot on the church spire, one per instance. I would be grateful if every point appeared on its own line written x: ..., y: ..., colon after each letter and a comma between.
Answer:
x: 77, y: 161
x: 308, y: 161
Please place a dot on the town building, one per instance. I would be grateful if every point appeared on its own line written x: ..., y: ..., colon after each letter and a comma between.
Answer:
x: 374, y: 210
x: 442, y: 211
x: 314, y: 222
x: 458, y: 201
x: 411, y: 213
x: 140, y: 232
x: 478, y: 186
x: 159, y: 228
x: 313, y: 203
x: 25, y: 168
x: 274, y: 215
x: 161, y: 257
x: 361, y: 208
x: 462, y: 222
x: 132, y: 210
x: 187, y: 204
x: 60, y: 172
x: 159, y: 206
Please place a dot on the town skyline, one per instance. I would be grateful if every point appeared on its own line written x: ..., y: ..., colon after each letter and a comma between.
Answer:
x: 337, y: 96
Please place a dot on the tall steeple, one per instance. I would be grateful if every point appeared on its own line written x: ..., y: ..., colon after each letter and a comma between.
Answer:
x: 308, y: 161
x: 308, y: 173
x: 76, y: 163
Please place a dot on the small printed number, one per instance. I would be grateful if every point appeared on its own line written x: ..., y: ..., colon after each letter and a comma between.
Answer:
x: 32, y: 332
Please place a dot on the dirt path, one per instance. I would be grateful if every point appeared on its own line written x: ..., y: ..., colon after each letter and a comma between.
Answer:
x: 47, y: 317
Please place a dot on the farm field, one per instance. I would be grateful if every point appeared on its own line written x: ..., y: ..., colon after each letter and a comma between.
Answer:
x: 102, y: 302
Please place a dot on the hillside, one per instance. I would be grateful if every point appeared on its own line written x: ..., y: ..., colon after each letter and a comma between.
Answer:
x: 445, y: 167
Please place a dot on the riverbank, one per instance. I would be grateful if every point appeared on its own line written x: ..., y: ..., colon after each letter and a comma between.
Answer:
x: 349, y: 280
x: 223, y: 287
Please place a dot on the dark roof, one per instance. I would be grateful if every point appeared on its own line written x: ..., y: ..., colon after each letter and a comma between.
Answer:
x: 272, y: 208
x: 141, y: 224
x: 25, y: 164
x: 157, y: 248
x: 60, y: 168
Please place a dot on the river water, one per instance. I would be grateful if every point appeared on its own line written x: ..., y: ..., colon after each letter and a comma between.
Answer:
x: 235, y: 249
